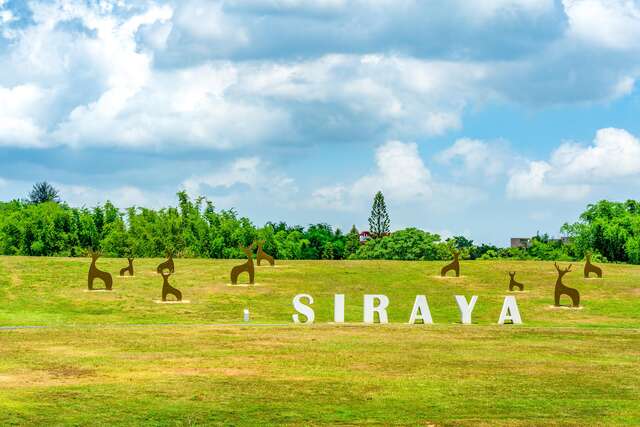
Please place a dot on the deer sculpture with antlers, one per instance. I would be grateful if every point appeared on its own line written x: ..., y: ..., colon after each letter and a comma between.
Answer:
x: 167, y: 289
x: 96, y: 273
x: 247, y: 266
x: 128, y: 269
x: 561, y: 289
x: 167, y: 265
x: 262, y: 255
x: 513, y: 283
x: 590, y: 268
x: 453, y: 265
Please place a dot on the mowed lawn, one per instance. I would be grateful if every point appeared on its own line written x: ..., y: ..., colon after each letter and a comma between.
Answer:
x: 121, y: 358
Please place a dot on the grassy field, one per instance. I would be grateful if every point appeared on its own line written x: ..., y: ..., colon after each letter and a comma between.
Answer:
x: 120, y: 358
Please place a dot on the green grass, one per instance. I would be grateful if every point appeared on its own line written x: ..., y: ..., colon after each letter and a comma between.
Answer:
x: 122, y: 359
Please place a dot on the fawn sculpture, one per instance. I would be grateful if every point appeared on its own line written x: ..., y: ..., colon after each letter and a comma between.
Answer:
x: 453, y: 265
x: 168, y: 264
x: 247, y: 266
x: 262, y: 255
x: 167, y: 288
x: 513, y: 283
x: 128, y: 269
x: 590, y: 268
x: 561, y: 289
x: 95, y: 273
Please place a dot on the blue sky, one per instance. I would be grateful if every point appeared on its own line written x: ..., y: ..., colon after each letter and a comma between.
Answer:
x: 489, y: 119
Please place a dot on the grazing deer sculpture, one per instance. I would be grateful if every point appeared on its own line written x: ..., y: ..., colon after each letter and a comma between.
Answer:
x: 513, y: 283
x: 262, y: 255
x: 128, y: 269
x: 247, y: 266
x: 168, y: 265
x: 95, y: 273
x: 453, y: 265
x: 561, y: 289
x: 590, y: 268
x: 167, y: 288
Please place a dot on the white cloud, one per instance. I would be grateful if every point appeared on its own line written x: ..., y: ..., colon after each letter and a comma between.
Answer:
x: 533, y: 183
x: 490, y: 159
x: 19, y: 109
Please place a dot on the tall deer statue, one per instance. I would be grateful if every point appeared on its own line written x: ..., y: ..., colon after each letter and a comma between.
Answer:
x: 262, y: 255
x: 590, y: 268
x: 561, y: 289
x: 95, y: 273
x: 247, y: 266
x: 128, y: 269
x: 168, y: 265
x: 513, y: 283
x: 453, y: 265
x: 167, y: 288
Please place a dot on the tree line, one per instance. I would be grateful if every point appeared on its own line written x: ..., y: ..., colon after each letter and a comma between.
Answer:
x: 43, y: 225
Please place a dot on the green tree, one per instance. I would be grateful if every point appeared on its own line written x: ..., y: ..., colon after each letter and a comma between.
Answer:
x: 43, y: 192
x: 352, y: 241
x: 379, y: 218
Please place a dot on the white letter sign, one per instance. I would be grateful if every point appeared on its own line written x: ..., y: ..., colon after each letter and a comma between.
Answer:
x: 510, y: 311
x: 420, y: 311
x: 303, y: 309
x: 370, y: 308
x: 466, y: 308
x: 338, y: 308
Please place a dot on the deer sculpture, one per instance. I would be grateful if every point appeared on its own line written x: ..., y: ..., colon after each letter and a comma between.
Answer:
x: 453, y: 265
x: 561, y: 289
x: 167, y: 289
x: 247, y: 266
x: 262, y: 255
x: 513, y: 283
x: 590, y: 268
x: 128, y: 269
x: 168, y: 265
x: 95, y: 273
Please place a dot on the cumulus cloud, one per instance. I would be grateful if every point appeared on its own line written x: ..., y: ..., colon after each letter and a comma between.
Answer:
x: 533, y: 183
x: 476, y: 156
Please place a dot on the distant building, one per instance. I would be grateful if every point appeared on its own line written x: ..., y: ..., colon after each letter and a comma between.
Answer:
x: 520, y: 242
x: 364, y: 236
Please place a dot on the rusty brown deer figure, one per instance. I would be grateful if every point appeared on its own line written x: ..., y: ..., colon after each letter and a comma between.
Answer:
x: 590, y: 268
x: 95, y: 273
x: 128, y: 269
x: 262, y: 255
x: 453, y: 265
x: 513, y: 283
x: 168, y: 265
x: 561, y: 289
x: 247, y: 266
x: 167, y: 289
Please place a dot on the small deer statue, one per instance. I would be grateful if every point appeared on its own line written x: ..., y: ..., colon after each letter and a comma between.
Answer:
x: 95, y: 273
x: 168, y: 264
x: 128, y: 269
x: 167, y: 288
x: 453, y: 265
x: 262, y: 255
x: 513, y: 283
x: 561, y: 289
x: 590, y: 268
x: 247, y: 266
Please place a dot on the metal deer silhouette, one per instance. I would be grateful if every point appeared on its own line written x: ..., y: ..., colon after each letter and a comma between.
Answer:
x: 168, y: 265
x: 513, y: 283
x: 453, y: 265
x: 128, y: 269
x: 247, y: 266
x: 561, y: 289
x: 167, y: 289
x: 590, y: 268
x: 95, y: 273
x: 262, y: 255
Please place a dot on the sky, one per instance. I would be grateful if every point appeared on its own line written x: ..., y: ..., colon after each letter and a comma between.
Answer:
x: 491, y: 119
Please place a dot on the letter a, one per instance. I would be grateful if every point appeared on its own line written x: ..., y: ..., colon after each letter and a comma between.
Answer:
x: 420, y: 311
x: 510, y: 311
x: 303, y: 309
x: 466, y: 308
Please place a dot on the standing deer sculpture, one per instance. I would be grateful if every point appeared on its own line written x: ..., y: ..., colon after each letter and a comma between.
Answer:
x: 168, y: 264
x: 247, y: 266
x: 168, y: 289
x: 453, y: 265
x: 590, y: 268
x: 128, y: 269
x: 95, y: 273
x: 561, y: 289
x: 262, y: 255
x: 513, y: 283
